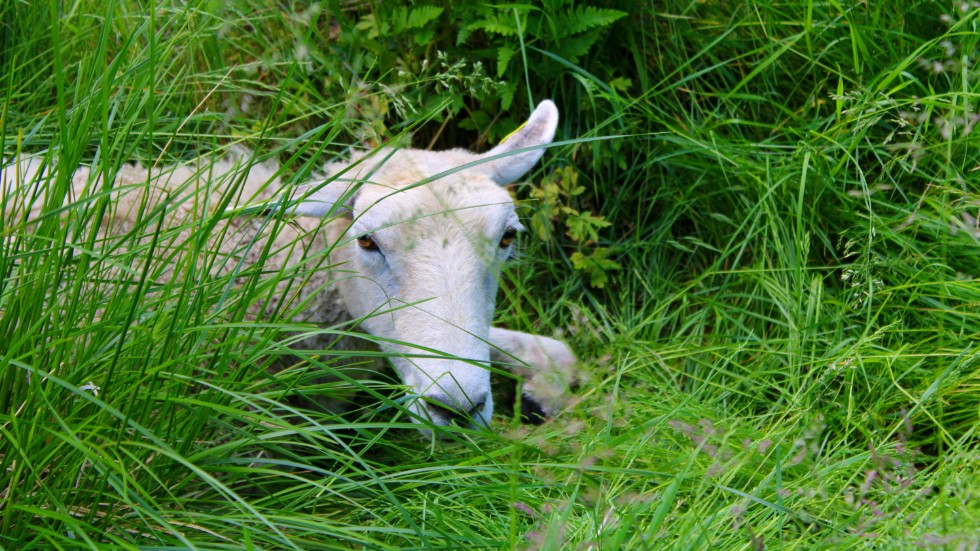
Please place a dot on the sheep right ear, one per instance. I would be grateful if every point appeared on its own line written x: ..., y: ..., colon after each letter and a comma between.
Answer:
x: 321, y: 200
x: 539, y: 130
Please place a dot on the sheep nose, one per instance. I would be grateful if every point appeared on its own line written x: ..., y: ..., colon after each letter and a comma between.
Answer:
x: 444, y: 410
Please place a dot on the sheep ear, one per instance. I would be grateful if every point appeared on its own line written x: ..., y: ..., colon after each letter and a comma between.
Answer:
x: 539, y: 130
x: 321, y: 200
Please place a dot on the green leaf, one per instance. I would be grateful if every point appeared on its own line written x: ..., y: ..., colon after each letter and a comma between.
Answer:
x: 507, y: 92
x: 586, y: 18
x: 424, y: 37
x: 421, y: 15
x: 574, y: 48
x: 620, y: 84
x: 504, y: 55
x: 584, y: 227
x: 541, y: 225
x: 369, y: 25
x: 595, y: 265
x: 504, y: 26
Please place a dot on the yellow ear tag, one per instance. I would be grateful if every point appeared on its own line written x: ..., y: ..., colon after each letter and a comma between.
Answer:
x: 516, y: 130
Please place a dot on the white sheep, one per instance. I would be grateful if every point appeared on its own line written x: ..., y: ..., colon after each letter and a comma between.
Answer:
x: 414, y: 239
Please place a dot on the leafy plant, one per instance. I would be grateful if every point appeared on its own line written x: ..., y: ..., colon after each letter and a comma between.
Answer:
x: 573, y: 31
x: 552, y: 207
x: 438, y: 57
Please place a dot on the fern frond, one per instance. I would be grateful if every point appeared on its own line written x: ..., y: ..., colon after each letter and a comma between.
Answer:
x: 420, y: 15
x: 503, y: 26
x: 585, y: 18
x: 574, y: 48
x: 504, y: 55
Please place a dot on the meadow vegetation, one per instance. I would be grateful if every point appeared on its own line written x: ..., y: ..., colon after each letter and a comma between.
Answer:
x: 758, y: 228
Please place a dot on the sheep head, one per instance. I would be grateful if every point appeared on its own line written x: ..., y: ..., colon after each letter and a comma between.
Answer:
x: 427, y: 235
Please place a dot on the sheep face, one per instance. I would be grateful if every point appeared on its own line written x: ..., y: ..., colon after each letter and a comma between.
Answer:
x: 426, y: 262
x: 426, y: 239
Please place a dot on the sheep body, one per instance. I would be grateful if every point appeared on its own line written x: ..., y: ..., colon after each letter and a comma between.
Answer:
x: 404, y: 243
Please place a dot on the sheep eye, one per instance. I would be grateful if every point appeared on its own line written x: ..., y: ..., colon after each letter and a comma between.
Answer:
x: 510, y: 234
x: 367, y: 242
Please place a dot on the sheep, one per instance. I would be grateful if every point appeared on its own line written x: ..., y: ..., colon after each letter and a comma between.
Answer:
x: 414, y: 245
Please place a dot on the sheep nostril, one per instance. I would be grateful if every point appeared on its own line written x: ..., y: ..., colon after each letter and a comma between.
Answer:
x: 476, y: 409
x: 443, y: 412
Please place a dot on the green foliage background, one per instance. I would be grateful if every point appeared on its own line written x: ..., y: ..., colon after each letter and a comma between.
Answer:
x: 759, y: 231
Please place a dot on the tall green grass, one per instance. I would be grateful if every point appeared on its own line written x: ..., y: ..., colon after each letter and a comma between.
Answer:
x: 787, y: 357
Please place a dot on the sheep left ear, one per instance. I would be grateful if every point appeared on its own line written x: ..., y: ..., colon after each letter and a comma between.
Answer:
x: 539, y: 130
x: 321, y: 200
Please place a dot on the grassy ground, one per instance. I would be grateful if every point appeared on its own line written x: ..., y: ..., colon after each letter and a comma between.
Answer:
x: 782, y: 352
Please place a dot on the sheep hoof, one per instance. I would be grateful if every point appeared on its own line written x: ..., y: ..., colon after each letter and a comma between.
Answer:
x: 532, y: 412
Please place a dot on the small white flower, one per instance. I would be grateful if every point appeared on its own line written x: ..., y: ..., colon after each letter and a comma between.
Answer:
x: 90, y: 386
x: 301, y: 52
